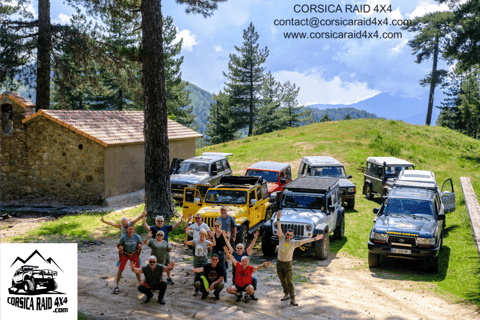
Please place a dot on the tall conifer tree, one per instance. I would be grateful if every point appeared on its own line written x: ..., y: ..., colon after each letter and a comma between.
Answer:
x: 221, y: 121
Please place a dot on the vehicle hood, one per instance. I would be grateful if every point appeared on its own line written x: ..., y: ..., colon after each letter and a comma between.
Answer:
x: 273, y: 186
x: 345, y: 183
x: 214, y: 210
x: 406, y: 226
x: 301, y: 216
x: 189, y: 178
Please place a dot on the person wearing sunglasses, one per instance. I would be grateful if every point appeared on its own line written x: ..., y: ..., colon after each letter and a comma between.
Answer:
x: 197, y: 226
x: 159, y: 226
x: 130, y: 245
x: 159, y: 249
x: 201, y: 250
x: 221, y: 240
x: 153, y: 273
x: 286, y: 247
x: 212, y: 279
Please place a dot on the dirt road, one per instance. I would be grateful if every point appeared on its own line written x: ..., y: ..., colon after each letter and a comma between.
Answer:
x: 340, y: 287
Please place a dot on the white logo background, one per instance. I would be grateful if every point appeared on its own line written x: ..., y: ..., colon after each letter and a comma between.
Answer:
x: 64, y: 256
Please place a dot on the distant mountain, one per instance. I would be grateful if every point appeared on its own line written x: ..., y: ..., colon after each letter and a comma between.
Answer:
x: 201, y: 102
x: 384, y: 105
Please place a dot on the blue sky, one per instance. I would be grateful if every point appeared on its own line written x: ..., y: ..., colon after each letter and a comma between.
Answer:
x: 328, y: 71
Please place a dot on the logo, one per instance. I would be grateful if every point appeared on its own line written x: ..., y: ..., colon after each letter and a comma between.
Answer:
x: 38, y: 280
x: 401, y: 240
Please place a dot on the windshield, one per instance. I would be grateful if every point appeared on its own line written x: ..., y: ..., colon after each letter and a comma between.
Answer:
x: 337, y: 172
x: 192, y: 167
x: 303, y: 201
x: 408, y: 206
x: 269, y: 176
x: 226, y: 197
x: 393, y: 172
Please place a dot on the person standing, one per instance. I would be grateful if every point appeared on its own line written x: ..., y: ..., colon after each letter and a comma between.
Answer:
x: 130, y: 248
x: 197, y: 226
x: 159, y: 247
x: 230, y: 227
x: 286, y: 247
x: 213, y: 272
x: 221, y: 241
x: 159, y: 226
x: 200, y: 248
x: 153, y: 272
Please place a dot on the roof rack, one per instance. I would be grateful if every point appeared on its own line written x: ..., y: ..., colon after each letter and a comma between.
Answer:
x: 309, y: 184
x: 241, y: 180
x: 414, y: 184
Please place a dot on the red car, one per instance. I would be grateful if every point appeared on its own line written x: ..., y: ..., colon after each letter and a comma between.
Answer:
x: 276, y: 174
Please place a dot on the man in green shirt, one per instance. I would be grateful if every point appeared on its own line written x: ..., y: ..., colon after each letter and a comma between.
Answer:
x: 286, y: 247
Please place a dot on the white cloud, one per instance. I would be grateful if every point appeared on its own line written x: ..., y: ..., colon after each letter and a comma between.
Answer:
x: 189, y: 39
x: 427, y: 6
x: 64, y: 19
x: 218, y: 48
x: 314, y: 89
x: 400, y: 46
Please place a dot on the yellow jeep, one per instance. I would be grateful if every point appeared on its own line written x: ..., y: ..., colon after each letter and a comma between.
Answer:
x: 246, y: 199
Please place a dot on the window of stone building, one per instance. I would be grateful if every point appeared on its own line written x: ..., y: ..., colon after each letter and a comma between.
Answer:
x: 7, y: 119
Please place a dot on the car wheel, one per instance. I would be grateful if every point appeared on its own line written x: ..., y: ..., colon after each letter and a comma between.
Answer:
x: 433, y: 265
x: 368, y: 192
x: 29, y: 286
x: 268, y: 247
x: 52, y: 286
x: 242, y: 236
x: 339, y: 231
x: 373, y: 260
x: 351, y: 204
x: 322, y: 247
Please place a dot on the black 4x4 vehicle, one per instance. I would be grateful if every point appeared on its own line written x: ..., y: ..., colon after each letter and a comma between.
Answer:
x: 380, y: 174
x: 410, y: 223
x: 30, y: 278
x: 309, y: 207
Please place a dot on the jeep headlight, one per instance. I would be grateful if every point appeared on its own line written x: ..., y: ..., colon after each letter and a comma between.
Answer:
x: 351, y: 190
x: 190, y: 186
x: 274, y: 225
x: 380, y: 236
x: 426, y: 241
x: 309, y: 227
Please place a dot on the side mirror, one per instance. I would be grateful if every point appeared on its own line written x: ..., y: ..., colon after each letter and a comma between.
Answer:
x: 349, y: 176
x: 273, y: 197
x: 283, y: 180
x: 331, y: 208
x: 253, y: 202
x: 197, y: 200
x: 375, y: 210
x: 441, y: 217
x: 214, y: 172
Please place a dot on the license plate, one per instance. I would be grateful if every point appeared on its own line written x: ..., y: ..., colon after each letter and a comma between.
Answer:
x: 404, y: 251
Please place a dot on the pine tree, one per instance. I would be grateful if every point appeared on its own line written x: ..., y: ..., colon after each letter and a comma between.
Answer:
x: 269, y: 116
x: 221, y: 121
x: 325, y: 118
x: 469, y: 100
x: 245, y: 78
x: 347, y: 117
x: 294, y: 115
x: 433, y: 32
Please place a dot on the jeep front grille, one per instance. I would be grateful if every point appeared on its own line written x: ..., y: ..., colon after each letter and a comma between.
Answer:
x: 298, y: 229
x: 210, y: 221
x: 401, y: 240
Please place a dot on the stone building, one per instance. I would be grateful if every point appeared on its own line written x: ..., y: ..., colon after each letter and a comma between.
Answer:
x: 76, y: 156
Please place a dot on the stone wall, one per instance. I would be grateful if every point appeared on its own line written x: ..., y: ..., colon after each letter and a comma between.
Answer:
x: 63, y: 165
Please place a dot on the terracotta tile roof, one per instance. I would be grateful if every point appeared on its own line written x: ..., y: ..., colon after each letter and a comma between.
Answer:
x: 110, y: 127
x: 14, y: 96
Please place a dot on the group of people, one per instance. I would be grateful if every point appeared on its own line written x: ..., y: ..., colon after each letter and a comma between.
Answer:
x: 209, y: 276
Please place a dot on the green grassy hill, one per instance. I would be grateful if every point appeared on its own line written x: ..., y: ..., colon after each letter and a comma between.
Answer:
x: 447, y: 153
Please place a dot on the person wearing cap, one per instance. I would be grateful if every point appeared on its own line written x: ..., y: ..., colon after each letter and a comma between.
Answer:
x: 212, y: 280
x: 153, y: 272
x: 243, y: 277
x: 286, y: 247
x: 131, y: 247
x: 159, y: 226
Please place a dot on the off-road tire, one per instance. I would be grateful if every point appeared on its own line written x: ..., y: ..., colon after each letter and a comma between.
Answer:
x: 368, y: 192
x: 339, y: 231
x: 433, y: 265
x: 350, y: 204
x: 268, y: 247
x: 373, y: 260
x: 322, y: 247
x: 29, y: 286
x: 242, y: 236
x: 52, y: 286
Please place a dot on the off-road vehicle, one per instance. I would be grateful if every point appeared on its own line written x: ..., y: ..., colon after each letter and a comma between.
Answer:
x: 206, y: 169
x: 276, y: 174
x: 246, y: 199
x: 31, y: 279
x: 410, y: 222
x: 380, y: 173
x: 328, y: 167
x: 309, y: 207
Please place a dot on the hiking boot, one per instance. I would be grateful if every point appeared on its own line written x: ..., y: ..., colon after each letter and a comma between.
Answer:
x: 246, y: 298
x: 292, y: 302
x: 196, y: 293
x: 253, y: 297
x: 170, y: 281
x: 147, y: 299
x: 286, y: 297
x: 239, y: 297
x: 217, y: 296
x: 161, y: 301
x: 204, y: 295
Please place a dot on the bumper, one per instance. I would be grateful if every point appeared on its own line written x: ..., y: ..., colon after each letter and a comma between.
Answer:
x: 348, y: 196
x: 415, y: 252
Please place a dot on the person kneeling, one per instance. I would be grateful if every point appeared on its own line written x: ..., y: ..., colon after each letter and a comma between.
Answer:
x: 212, y: 279
x: 243, y: 277
x: 153, y: 278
